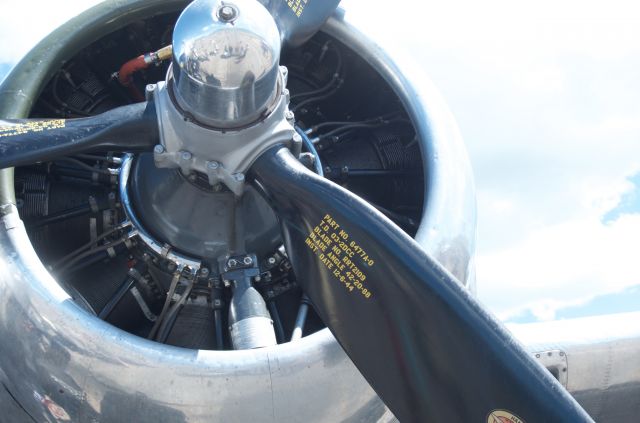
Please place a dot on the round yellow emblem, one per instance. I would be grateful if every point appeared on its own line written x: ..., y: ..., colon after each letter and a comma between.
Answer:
x: 503, y: 416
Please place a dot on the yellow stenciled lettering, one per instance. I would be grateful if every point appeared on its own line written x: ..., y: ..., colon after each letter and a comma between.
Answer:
x: 340, y: 254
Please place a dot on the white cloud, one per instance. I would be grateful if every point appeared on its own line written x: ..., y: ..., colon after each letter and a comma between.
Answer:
x: 561, y: 265
x: 546, y: 96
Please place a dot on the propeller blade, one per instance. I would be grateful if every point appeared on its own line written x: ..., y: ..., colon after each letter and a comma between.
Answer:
x: 428, y: 348
x: 299, y: 20
x: 26, y: 141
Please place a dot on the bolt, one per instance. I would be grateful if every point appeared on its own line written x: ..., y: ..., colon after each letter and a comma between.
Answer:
x: 289, y: 115
x: 239, y: 177
x: 271, y: 260
x: 158, y: 149
x: 247, y: 260
x: 213, y: 165
x: 227, y: 13
x: 186, y: 155
x: 232, y: 263
x: 150, y: 88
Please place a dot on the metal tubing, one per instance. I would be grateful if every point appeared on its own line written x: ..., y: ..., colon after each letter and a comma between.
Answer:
x: 277, y: 322
x: 60, y: 216
x: 301, y: 318
x: 117, y: 297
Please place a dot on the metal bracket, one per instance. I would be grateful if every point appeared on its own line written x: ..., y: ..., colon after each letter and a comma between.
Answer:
x: 556, y: 362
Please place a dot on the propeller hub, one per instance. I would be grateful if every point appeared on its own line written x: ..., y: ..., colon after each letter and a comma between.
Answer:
x: 225, y: 62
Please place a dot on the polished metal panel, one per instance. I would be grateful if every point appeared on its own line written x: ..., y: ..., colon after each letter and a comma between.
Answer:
x: 61, y: 356
x: 556, y: 362
x: 225, y: 62
x: 603, y: 360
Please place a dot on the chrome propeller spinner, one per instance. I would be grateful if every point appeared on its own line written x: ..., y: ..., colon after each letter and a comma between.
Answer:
x: 225, y: 99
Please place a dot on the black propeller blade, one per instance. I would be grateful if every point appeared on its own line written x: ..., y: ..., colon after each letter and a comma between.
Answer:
x: 430, y: 351
x: 298, y: 20
x: 26, y: 141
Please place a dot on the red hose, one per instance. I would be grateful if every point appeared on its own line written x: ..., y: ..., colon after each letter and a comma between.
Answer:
x: 125, y: 76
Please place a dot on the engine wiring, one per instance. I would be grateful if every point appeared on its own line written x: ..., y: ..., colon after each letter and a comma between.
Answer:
x: 88, y: 246
x: 317, y: 164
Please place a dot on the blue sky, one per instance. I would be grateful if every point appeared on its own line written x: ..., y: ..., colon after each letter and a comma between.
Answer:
x: 547, y: 97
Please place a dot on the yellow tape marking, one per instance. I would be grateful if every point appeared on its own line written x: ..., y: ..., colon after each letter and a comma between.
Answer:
x: 340, y: 254
x: 28, y: 127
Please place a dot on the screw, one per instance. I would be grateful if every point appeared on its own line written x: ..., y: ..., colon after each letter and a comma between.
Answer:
x: 213, y: 165
x: 186, y: 155
x: 232, y: 263
x: 289, y: 115
x: 247, y: 260
x: 227, y: 12
x: 271, y: 260
x: 150, y: 88
x: 158, y: 149
x: 238, y: 177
